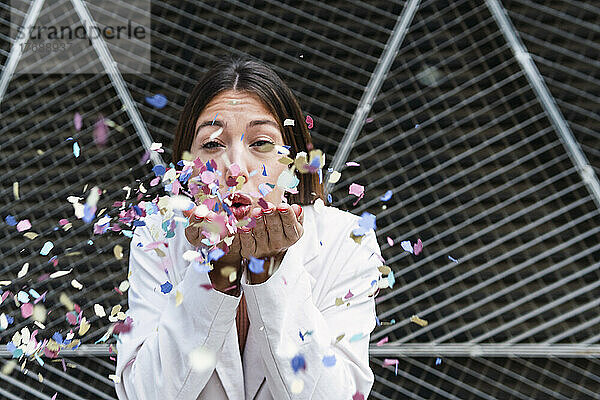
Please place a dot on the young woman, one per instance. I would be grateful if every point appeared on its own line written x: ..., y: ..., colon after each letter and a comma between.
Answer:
x: 296, y: 326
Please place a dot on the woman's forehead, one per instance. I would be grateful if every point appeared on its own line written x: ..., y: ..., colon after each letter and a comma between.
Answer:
x: 236, y: 102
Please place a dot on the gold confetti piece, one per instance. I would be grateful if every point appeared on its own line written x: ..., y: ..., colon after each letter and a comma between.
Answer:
x: 121, y: 315
x: 76, y: 284
x: 159, y: 252
x: 285, y: 160
x: 58, y: 274
x: 334, y: 177
x: 115, y: 310
x: 118, y: 252
x: 357, y: 239
x: 178, y: 298
x: 114, y: 378
x: 40, y: 377
x: 30, y: 235
x: 99, y: 310
x: 297, y: 386
x: 339, y: 301
x: 83, y: 327
x: 337, y: 339
x: 40, y: 152
x: 23, y: 270
x: 418, y: 321
x: 5, y: 283
x: 75, y: 253
x: 39, y: 313
x: 384, y: 269
x: 124, y: 286
x: 68, y: 226
x: 101, y: 212
x: 66, y: 301
x: 16, y: 190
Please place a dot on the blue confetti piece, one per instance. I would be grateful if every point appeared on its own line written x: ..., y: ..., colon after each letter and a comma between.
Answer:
x: 298, y: 362
x: 34, y: 294
x: 57, y: 337
x: 301, y: 335
x: 377, y: 321
x: 214, y: 119
x: 201, y: 267
x: 365, y: 223
x: 391, y: 279
x: 356, y: 337
x: 10, y: 320
x: 159, y: 170
x: 138, y: 210
x: 166, y: 287
x: 157, y: 101
x: 453, y: 259
x: 90, y: 242
x: 46, y: 248
x: 329, y: 198
x: 264, y: 172
x: 329, y: 361
x: 242, y: 138
x: 140, y: 244
x: 139, y: 223
x: 127, y: 233
x: 215, y: 254
x: 256, y: 265
x: 387, y: 195
x: 89, y: 213
x: 438, y: 361
x: 76, y: 149
x: 10, y: 346
x: 417, y: 126
x: 10, y: 220
x: 226, y: 208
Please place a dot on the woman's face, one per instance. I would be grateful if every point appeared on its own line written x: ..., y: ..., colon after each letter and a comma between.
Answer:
x: 249, y: 134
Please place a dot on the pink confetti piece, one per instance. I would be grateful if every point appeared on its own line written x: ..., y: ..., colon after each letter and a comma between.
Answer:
x: 382, y: 341
x: 27, y: 310
x: 100, y: 132
x: 208, y: 177
x: 348, y: 295
x: 23, y: 225
x: 71, y: 318
x: 54, y: 397
x: 357, y: 190
x: 352, y: 164
x: 390, y: 361
x: 418, y: 247
x: 77, y: 121
x: 390, y: 241
x: 155, y: 181
x: 309, y: 121
x: 358, y: 396
x: 63, y: 222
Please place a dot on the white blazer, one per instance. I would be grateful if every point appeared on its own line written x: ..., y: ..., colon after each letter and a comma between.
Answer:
x: 299, y: 298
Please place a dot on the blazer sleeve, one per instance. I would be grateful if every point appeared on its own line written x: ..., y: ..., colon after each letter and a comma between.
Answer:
x: 153, y: 359
x: 286, y: 308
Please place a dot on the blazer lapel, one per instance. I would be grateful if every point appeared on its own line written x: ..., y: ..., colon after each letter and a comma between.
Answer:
x: 229, y: 367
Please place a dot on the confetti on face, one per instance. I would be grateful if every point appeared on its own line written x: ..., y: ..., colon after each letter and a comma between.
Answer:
x: 309, y: 122
x: 76, y: 149
x: 418, y: 321
x: 418, y: 247
x: 216, y: 133
x: 77, y: 121
x: 256, y: 265
x: 157, y: 101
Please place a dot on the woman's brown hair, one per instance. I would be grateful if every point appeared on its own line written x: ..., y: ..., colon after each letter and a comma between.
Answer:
x: 247, y: 75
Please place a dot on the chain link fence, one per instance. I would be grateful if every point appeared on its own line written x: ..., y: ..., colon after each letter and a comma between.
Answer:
x: 479, y: 164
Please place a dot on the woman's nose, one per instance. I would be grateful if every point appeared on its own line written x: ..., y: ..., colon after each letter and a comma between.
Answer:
x: 236, y: 175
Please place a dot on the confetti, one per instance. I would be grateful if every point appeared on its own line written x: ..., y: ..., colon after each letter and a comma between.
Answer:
x: 390, y: 241
x: 100, y: 132
x: 288, y: 122
x: 256, y: 265
x: 407, y: 246
x: 124, y: 286
x: 16, y: 190
x: 348, y: 295
x: 30, y: 235
x: 438, y: 361
x: 356, y: 337
x: 26, y: 310
x: 329, y: 361
x: 418, y: 247
x: 309, y: 121
x: 216, y: 133
x: 357, y: 190
x: 23, y: 270
x: 387, y: 195
x: 418, y: 321
x: 298, y: 362
x: 46, y: 248
x: 58, y: 274
x: 384, y: 269
x: 391, y: 280
x: 84, y: 326
x: 77, y: 121
x: 157, y: 147
x: 99, y: 310
x: 334, y: 177
x: 118, y: 252
x: 382, y: 341
x: 453, y: 259
x: 76, y: 149
x: 10, y: 220
x: 178, y: 298
x: 166, y: 287
x: 358, y: 396
x: 297, y: 386
x: 339, y: 301
x: 157, y: 101
x: 76, y: 284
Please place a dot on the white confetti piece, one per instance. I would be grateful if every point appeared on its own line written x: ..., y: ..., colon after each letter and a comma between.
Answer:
x: 124, y: 286
x: 288, y: 122
x: 46, y: 248
x: 23, y: 270
x: 216, y: 133
x: 297, y: 386
x: 58, y: 274
x: 16, y: 190
x: 407, y: 246
x: 334, y: 177
x: 76, y: 284
x: 99, y: 310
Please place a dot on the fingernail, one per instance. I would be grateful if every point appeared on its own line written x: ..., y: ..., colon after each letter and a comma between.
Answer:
x: 283, y: 209
x: 268, y: 210
x: 245, y: 229
x: 300, y: 207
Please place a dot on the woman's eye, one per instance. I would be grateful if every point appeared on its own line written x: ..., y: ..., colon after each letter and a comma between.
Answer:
x: 211, y: 145
x: 263, y: 144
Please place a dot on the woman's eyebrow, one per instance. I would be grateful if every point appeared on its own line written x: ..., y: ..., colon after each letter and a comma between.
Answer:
x: 218, y: 123
x: 263, y: 122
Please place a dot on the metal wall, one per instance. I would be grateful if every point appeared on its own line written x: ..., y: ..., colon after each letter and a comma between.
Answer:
x: 482, y: 118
